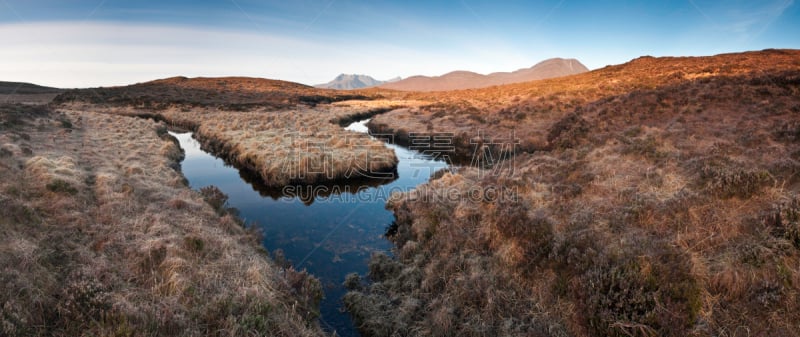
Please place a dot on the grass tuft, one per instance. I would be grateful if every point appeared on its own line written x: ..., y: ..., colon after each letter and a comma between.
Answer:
x: 61, y: 186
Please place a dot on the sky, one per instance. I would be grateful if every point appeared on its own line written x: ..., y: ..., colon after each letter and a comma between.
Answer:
x: 89, y: 43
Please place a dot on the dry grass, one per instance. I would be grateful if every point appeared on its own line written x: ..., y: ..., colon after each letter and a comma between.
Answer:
x: 100, y: 236
x: 225, y: 93
x: 299, y: 145
x: 26, y: 93
x: 658, y: 197
x: 660, y: 205
x: 27, y: 98
x: 529, y: 111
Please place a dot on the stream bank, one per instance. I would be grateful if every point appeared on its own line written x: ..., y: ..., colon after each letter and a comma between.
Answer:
x: 331, y: 230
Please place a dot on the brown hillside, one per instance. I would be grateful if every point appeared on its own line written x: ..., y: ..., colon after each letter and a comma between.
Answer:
x: 450, y: 81
x: 658, y: 198
x: 226, y: 92
x: 546, y: 69
x: 529, y: 109
x: 458, y: 80
x: 10, y: 88
x: 26, y: 93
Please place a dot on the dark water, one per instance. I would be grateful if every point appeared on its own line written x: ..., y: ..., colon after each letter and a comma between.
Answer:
x: 330, y: 236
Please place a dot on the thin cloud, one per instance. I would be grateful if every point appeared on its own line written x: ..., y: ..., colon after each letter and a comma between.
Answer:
x: 75, y: 54
x: 745, y: 20
x: 774, y: 13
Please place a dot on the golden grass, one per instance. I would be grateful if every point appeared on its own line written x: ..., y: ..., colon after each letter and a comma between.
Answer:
x: 529, y: 111
x: 654, y: 197
x: 301, y: 145
x: 657, y: 202
x: 100, y: 236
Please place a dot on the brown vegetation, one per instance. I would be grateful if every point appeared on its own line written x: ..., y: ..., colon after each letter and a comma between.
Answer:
x: 224, y: 93
x: 654, y: 198
x: 26, y: 93
x: 100, y: 236
x: 277, y: 130
x: 529, y: 111
x: 657, y: 197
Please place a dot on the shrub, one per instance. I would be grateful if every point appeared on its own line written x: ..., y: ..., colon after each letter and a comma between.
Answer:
x: 65, y: 123
x: 533, y: 234
x: 616, y: 294
x: 727, y: 181
x: 567, y: 132
x: 194, y: 244
x: 61, y: 186
x: 352, y: 282
x: 15, y: 212
x: 374, y: 315
x: 476, y: 117
x: 652, y: 294
x: 646, y: 147
x: 258, y: 318
x: 81, y: 302
x: 162, y: 131
x: 178, y: 204
x: 307, y: 290
x: 215, y: 197
x: 383, y: 267
x: 785, y: 222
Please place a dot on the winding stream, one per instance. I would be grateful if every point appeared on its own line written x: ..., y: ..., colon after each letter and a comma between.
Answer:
x: 330, y: 235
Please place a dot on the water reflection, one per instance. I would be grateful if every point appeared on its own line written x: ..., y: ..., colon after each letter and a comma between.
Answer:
x: 329, y: 229
x: 309, y: 193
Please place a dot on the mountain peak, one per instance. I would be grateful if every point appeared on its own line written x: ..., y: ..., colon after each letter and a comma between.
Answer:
x: 352, y: 81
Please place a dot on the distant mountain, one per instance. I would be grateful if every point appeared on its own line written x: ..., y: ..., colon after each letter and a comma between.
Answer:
x: 20, y: 88
x: 352, y: 81
x: 457, y: 80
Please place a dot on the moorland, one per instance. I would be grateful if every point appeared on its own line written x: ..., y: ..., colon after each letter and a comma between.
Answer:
x: 655, y: 197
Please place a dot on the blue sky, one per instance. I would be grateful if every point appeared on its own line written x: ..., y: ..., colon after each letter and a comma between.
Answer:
x: 82, y: 43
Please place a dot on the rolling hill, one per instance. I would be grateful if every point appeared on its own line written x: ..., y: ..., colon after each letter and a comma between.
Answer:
x: 230, y: 92
x: 660, y: 197
x: 458, y: 80
x: 20, y: 88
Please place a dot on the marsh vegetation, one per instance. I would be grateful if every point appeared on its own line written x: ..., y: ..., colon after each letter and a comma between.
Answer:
x: 656, y: 197
x: 653, y: 198
x: 101, y: 236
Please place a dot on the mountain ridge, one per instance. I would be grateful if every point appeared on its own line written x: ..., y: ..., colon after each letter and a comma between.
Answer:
x: 462, y: 79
